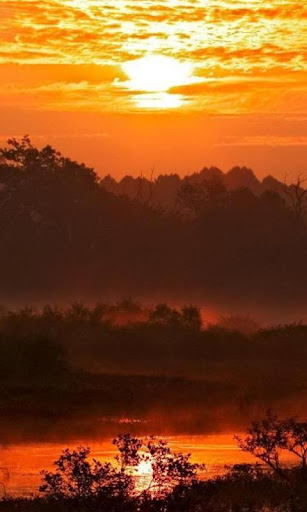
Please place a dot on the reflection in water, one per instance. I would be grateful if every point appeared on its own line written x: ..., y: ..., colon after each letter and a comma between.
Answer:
x: 24, y: 462
x: 21, y: 464
x: 144, y: 473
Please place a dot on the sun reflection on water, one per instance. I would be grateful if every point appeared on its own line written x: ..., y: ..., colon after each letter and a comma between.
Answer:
x: 144, y: 474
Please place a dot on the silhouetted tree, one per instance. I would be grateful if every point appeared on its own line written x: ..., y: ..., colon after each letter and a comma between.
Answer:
x: 165, y: 315
x: 297, y: 195
x: 191, y: 318
x: 295, y: 439
x: 197, y: 197
x: 264, y: 440
x: 77, y: 477
x: 169, y: 469
x: 129, y: 448
x: 74, y: 238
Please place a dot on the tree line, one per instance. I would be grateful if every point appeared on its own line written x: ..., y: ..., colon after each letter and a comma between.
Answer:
x: 65, y: 233
x: 162, y: 369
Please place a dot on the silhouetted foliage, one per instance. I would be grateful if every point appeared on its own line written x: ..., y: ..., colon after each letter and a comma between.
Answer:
x: 78, y: 477
x: 295, y: 439
x: 188, y: 317
x: 159, y: 368
x: 66, y: 233
x: 174, y: 484
x: 266, y: 439
x: 209, y: 235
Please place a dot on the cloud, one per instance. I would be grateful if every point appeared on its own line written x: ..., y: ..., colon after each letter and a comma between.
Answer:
x: 264, y: 140
x: 86, y: 42
x: 33, y: 74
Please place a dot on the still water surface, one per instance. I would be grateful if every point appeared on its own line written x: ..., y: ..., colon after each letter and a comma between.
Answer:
x: 21, y: 464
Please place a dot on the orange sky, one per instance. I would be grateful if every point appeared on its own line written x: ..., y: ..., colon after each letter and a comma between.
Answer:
x: 179, y: 84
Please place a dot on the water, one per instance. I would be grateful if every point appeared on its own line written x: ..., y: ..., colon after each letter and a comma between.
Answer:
x: 21, y: 464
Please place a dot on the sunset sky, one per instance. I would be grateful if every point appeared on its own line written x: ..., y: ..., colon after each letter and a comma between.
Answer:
x: 125, y: 85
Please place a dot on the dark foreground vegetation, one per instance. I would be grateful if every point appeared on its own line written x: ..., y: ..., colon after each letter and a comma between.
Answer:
x: 173, y: 483
x: 79, y: 372
x: 84, y: 371
x: 214, y: 237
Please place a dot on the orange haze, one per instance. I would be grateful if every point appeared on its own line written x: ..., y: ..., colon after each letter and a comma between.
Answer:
x: 175, y: 84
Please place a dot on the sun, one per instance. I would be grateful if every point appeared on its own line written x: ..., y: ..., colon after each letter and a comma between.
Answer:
x: 157, y: 73
x: 151, y: 77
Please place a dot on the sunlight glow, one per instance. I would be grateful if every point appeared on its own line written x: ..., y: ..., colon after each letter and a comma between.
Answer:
x: 152, y: 76
x: 158, y: 100
x: 156, y: 73
x: 144, y: 468
x: 144, y: 474
x: 79, y: 4
x: 112, y: 52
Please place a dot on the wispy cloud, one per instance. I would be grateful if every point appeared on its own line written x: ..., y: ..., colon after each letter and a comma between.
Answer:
x: 68, y: 51
x: 264, y: 140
